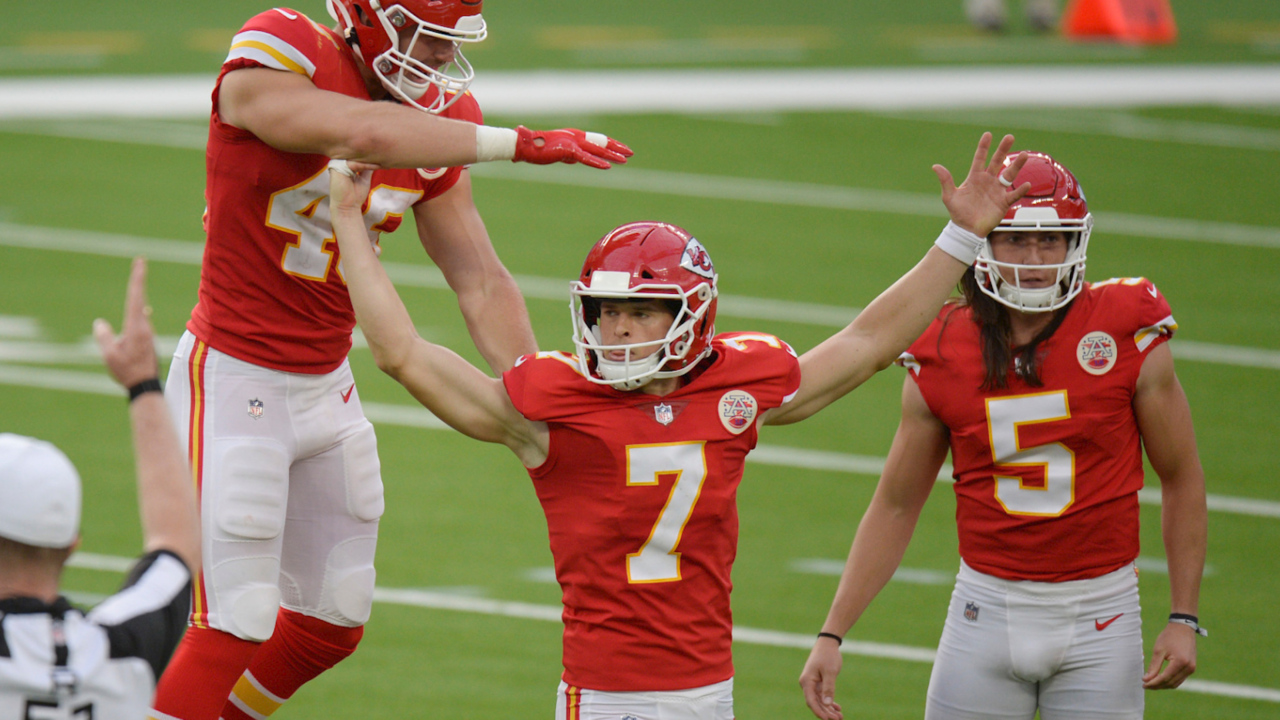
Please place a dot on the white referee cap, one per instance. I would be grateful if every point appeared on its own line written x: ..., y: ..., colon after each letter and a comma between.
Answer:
x: 39, y: 493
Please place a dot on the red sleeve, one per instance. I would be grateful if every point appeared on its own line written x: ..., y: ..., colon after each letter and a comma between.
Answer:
x: 280, y: 39
x: 762, y: 361
x: 542, y: 386
x: 1147, y: 317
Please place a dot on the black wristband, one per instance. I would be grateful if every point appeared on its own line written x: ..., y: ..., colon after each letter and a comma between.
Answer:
x: 1190, y: 621
x: 146, y: 386
x: 839, y: 640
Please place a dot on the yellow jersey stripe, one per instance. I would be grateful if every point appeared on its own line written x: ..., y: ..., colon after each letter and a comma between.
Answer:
x: 271, y: 52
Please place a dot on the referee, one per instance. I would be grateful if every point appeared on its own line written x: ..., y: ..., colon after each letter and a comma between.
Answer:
x: 55, y: 661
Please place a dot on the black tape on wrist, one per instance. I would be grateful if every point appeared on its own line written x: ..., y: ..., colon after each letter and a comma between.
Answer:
x: 839, y: 640
x: 144, y: 387
x: 1190, y: 621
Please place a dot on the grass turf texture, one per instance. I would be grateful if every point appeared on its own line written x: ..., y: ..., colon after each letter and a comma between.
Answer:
x: 463, y: 515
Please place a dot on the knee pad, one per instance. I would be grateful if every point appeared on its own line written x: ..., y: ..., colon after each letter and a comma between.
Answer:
x: 349, y: 581
x: 248, y: 598
x: 363, y: 474
x: 251, y: 489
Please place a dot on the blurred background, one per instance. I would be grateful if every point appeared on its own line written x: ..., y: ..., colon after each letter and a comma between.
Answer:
x: 795, y: 141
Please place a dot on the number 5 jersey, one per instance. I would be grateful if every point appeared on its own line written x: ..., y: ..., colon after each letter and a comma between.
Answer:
x: 1047, y: 478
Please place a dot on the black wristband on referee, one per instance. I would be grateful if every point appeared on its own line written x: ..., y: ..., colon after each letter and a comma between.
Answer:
x: 146, y: 386
x: 839, y: 640
x: 1190, y: 621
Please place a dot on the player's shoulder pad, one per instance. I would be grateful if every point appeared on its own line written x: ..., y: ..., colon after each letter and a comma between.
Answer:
x: 1139, y: 305
x: 751, y: 342
x: 544, y: 385
x: 465, y: 108
x: 761, y: 360
x: 924, y: 349
x: 280, y: 39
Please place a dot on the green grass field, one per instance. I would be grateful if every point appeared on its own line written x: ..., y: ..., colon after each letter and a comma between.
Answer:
x: 462, y: 519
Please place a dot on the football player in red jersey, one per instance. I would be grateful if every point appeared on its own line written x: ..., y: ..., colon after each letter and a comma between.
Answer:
x: 285, y: 461
x: 636, y: 445
x: 1045, y: 389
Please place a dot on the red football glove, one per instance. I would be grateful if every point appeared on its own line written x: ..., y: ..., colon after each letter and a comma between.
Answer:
x: 568, y: 146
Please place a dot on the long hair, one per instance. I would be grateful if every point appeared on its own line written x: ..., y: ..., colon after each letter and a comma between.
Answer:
x: 997, y: 338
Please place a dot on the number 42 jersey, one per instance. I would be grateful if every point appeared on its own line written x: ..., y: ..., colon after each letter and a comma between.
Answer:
x: 1047, y: 478
x: 640, y: 495
x: 271, y: 287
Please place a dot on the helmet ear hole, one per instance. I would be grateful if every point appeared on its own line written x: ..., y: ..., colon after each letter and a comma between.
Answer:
x: 704, y: 293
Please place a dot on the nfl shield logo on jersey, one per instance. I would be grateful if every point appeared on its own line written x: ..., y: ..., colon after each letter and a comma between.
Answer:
x: 737, y: 410
x: 662, y: 413
x: 255, y: 409
x: 1096, y: 352
x: 971, y: 611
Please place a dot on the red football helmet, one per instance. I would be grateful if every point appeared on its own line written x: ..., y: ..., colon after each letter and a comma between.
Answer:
x: 1055, y: 203
x: 375, y: 28
x: 645, y: 260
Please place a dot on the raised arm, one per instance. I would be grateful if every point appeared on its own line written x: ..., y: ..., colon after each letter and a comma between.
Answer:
x: 898, y: 315
x: 166, y: 495
x: 455, y: 390
x: 455, y: 237
x: 288, y: 112
x: 918, y: 451
x: 1164, y: 419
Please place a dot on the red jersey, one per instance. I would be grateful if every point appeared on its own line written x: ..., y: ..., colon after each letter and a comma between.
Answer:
x: 271, y: 287
x: 1047, y: 478
x: 640, y: 494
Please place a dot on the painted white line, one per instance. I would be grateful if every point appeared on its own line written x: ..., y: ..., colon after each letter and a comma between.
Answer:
x: 409, y: 275
x: 774, y: 192
x: 524, y: 94
x: 800, y: 194
x: 924, y: 576
x: 94, y: 561
x: 835, y: 568
x: 464, y: 602
x: 1115, y: 124
x: 1244, y: 692
x: 24, y: 328
x: 420, y: 417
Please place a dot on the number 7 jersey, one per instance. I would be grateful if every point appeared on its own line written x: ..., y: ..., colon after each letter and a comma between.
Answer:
x: 1046, y: 478
x: 640, y: 496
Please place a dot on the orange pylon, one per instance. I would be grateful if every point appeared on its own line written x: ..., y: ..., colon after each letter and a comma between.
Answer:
x: 1142, y: 22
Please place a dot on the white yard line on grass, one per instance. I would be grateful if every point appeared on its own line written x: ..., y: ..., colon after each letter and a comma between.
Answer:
x: 524, y: 94
x: 686, y: 185
x: 419, y: 417
x: 408, y: 275
x: 749, y: 636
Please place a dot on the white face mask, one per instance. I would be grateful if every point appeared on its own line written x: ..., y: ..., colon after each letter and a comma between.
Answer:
x: 673, y: 348
x: 1005, y: 287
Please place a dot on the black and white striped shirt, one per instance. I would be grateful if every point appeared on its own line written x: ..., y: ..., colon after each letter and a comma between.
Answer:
x: 58, y: 664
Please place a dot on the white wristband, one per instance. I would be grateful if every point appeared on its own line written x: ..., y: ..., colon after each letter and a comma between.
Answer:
x: 495, y: 143
x: 960, y: 243
x: 342, y: 167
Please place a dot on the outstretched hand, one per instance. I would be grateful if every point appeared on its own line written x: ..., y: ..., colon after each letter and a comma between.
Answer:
x: 979, y: 203
x: 130, y: 357
x: 570, y: 146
